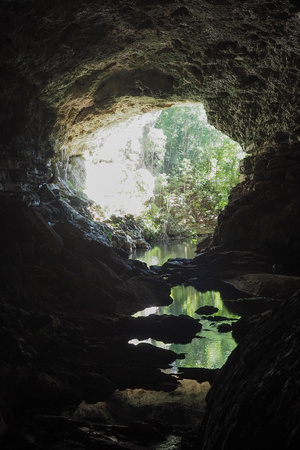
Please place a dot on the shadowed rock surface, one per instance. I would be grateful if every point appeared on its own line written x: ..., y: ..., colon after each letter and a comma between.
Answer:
x: 166, y: 328
x: 256, y: 392
x: 69, y: 68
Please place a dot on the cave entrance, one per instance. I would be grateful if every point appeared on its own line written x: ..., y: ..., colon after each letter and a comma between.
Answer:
x: 168, y: 168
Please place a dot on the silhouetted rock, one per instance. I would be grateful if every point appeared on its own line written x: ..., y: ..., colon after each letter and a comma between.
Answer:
x: 70, y: 68
x: 206, y: 310
x: 255, y: 386
x: 224, y: 328
x: 167, y: 328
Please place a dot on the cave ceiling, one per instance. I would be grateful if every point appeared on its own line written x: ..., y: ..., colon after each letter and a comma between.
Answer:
x: 71, y: 67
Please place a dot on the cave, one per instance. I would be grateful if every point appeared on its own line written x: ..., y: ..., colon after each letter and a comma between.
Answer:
x: 70, y: 68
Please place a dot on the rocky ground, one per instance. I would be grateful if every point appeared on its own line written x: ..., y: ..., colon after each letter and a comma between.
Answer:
x: 67, y: 296
x: 254, y: 399
x: 69, y: 378
x: 70, y: 68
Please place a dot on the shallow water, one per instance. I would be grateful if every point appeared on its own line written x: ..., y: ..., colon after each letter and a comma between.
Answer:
x: 159, y: 254
x: 210, y: 348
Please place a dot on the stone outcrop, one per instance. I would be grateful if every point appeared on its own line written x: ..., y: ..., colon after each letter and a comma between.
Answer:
x: 254, y: 400
x: 63, y: 298
x: 263, y: 213
x: 70, y: 68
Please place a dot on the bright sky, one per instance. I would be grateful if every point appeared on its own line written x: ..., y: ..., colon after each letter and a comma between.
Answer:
x: 115, y: 180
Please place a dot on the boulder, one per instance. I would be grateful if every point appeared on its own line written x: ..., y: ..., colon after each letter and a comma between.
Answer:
x: 266, y: 284
x: 207, y: 310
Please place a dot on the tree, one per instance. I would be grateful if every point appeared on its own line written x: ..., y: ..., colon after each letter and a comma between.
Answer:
x: 199, y: 168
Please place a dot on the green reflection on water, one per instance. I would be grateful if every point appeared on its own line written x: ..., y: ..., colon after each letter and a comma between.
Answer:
x: 186, y: 300
x: 210, y: 348
x: 159, y: 254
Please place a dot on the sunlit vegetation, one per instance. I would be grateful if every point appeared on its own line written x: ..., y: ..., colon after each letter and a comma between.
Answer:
x: 195, y: 172
x: 169, y: 169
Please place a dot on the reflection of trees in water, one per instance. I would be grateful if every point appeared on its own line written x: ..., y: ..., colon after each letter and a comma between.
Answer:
x: 186, y: 300
x: 211, y: 349
x: 159, y: 254
x: 205, y: 352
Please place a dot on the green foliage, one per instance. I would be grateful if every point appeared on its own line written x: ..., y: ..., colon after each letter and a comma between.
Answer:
x: 199, y: 168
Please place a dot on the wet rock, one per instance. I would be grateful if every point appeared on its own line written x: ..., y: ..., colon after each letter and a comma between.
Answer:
x: 217, y: 262
x: 253, y: 390
x: 139, y: 377
x: 216, y: 318
x: 224, y: 328
x: 266, y: 284
x: 175, y: 262
x: 155, y: 268
x: 96, y: 411
x: 61, y: 342
x: 148, y: 355
x: 181, y: 270
x: 249, y: 306
x: 120, y: 240
x: 60, y: 82
x: 207, y: 310
x: 166, y: 328
x: 127, y: 233
x: 198, y: 374
x: 168, y: 411
x: 243, y: 326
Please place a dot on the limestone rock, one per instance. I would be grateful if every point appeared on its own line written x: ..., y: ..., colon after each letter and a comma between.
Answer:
x: 266, y: 284
x: 261, y: 378
x: 70, y: 68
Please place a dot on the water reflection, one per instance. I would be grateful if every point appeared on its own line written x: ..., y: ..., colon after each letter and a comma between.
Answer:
x: 159, y: 254
x: 210, y: 348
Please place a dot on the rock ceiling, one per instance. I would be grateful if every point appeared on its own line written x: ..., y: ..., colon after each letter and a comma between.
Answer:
x: 71, y: 67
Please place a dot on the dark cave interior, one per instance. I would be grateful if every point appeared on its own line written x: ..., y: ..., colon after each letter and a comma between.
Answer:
x: 69, y: 68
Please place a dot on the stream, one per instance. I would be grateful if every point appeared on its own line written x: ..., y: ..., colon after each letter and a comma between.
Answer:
x: 210, y: 348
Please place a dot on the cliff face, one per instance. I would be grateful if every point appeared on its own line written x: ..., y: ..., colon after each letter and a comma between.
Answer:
x: 69, y: 68
x: 254, y: 402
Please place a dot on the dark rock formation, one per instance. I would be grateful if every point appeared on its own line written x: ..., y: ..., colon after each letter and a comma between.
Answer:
x: 198, y: 374
x: 166, y: 328
x: 254, y: 400
x: 207, y: 310
x: 62, y: 294
x: 127, y: 233
x: 263, y: 212
x: 70, y: 68
x: 224, y: 328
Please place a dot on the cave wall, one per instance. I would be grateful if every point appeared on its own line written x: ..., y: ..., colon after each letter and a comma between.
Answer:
x: 254, y: 402
x: 68, y: 68
x: 263, y: 214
